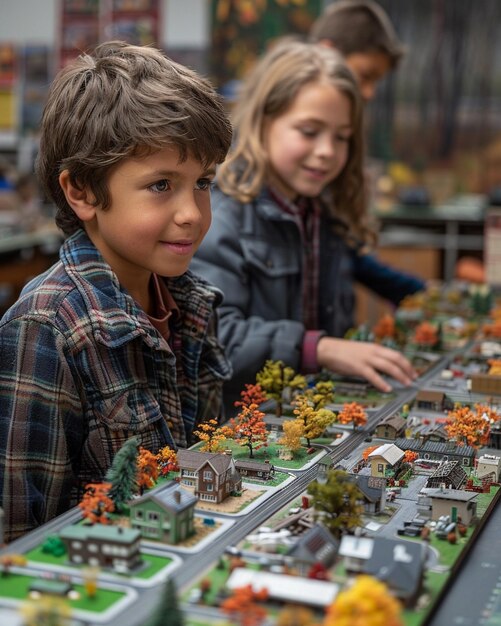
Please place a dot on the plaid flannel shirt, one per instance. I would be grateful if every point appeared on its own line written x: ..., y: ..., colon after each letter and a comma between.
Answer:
x: 82, y: 370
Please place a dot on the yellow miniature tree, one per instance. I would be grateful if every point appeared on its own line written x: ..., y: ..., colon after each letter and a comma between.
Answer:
x: 352, y: 413
x: 293, y: 431
x: 275, y: 378
x: 167, y: 460
x: 212, y: 435
x: 47, y: 611
x: 315, y: 421
x: 295, y: 616
x: 366, y: 603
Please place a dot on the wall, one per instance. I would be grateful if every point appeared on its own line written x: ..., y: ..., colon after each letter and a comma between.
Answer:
x: 185, y: 23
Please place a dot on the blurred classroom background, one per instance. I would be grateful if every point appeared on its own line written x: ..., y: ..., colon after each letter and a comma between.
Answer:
x: 434, y: 129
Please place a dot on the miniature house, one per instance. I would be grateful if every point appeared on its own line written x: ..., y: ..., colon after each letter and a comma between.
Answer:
x: 400, y: 565
x: 255, y: 469
x: 430, y: 400
x: 100, y: 545
x: 455, y: 503
x: 349, y: 388
x: 165, y: 515
x: 489, y: 465
x: 391, y: 427
x: 486, y: 383
x: 316, y: 545
x: 438, y: 451
x: 355, y: 551
x: 450, y: 473
x: 372, y: 492
x: 212, y: 476
x: 383, y: 458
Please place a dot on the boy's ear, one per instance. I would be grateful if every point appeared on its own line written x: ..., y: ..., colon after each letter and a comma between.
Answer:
x: 80, y: 200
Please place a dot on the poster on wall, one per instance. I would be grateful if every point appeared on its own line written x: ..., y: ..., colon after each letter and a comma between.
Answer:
x: 35, y: 79
x: 242, y: 30
x: 8, y: 95
x: 85, y: 23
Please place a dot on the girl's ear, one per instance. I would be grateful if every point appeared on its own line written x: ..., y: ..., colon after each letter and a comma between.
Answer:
x: 80, y: 200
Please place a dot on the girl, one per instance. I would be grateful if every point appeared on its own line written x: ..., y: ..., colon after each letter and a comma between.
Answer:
x: 289, y: 223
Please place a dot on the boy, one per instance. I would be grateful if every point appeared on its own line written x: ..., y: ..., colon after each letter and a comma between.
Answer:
x: 364, y: 34
x: 117, y: 339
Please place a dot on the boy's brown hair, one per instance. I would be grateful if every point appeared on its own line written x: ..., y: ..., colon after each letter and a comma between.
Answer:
x: 358, y: 26
x: 123, y: 101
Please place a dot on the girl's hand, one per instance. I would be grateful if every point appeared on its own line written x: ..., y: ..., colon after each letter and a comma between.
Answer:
x: 359, y: 358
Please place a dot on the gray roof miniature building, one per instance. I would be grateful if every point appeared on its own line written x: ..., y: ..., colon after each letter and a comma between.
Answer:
x: 165, y: 514
x: 255, y: 469
x: 373, y: 491
x: 103, y: 545
x: 438, y: 450
x: 399, y: 564
x: 316, y: 545
x: 451, y: 473
x: 391, y: 427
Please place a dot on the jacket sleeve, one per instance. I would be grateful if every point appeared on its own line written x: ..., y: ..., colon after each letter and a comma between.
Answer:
x: 40, y: 425
x: 248, y: 338
x: 387, y: 282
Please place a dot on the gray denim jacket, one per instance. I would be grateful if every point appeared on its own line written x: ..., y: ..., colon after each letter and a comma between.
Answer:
x: 253, y: 253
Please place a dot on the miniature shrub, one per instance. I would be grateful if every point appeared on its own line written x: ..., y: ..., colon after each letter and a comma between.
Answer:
x: 54, y: 545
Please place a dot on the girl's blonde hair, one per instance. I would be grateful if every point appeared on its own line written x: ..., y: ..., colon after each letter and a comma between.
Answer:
x: 268, y: 92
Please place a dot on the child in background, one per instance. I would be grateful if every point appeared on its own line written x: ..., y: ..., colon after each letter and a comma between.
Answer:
x: 363, y: 33
x: 289, y: 221
x: 117, y: 339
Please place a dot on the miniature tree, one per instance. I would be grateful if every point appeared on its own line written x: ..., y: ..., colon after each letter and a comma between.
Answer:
x: 252, y: 394
x: 410, y: 456
x: 54, y: 545
x: 274, y: 378
x: 243, y: 608
x: 426, y: 335
x: 96, y: 503
x: 46, y: 611
x: 123, y: 474
x: 147, y: 469
x: 168, y: 608
x: 318, y: 571
x: 10, y: 560
x: 468, y: 427
x: 295, y: 616
x: 352, y: 412
x: 167, y: 460
x: 293, y: 430
x: 249, y: 428
x: 213, y: 435
x: 336, y: 502
x: 321, y: 394
x: 315, y: 421
x: 367, y: 451
x: 366, y: 602
x: 385, y: 328
x: 90, y: 576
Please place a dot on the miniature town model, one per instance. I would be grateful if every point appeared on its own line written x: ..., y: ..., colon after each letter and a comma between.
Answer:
x: 311, y: 494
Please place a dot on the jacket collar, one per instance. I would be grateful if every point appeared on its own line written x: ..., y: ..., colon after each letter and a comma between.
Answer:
x: 114, y: 315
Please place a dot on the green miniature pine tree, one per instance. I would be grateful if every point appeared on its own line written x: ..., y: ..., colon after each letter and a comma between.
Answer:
x: 168, y: 611
x: 123, y: 474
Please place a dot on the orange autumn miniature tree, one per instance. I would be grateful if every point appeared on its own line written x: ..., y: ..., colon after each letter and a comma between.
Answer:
x: 367, y: 451
x: 96, y: 504
x: 471, y: 428
x: 426, y: 335
x: 212, y: 435
x: 295, y: 615
x: 243, y: 606
x: 410, y: 456
x: 252, y: 394
x: 494, y: 367
x: 352, y: 413
x: 368, y: 602
x: 167, y: 460
x: 249, y: 429
x: 385, y: 328
x: 147, y: 469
